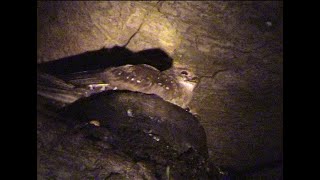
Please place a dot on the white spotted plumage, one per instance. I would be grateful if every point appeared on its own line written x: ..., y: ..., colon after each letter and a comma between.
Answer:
x: 172, y: 85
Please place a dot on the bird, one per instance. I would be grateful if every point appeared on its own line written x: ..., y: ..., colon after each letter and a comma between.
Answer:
x: 175, y: 85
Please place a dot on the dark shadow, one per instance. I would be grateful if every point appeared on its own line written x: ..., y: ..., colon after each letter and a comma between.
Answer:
x: 104, y: 58
x: 262, y: 167
x: 251, y: 171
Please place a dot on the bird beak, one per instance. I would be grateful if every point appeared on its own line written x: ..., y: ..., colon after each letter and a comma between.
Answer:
x: 193, y: 79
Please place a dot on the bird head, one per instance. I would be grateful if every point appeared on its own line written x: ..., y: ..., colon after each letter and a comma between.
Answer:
x: 185, y: 77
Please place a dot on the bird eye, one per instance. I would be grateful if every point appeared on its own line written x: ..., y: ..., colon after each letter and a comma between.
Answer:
x: 184, y: 73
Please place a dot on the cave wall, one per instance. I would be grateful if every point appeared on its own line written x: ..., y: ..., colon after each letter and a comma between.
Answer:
x: 234, y: 47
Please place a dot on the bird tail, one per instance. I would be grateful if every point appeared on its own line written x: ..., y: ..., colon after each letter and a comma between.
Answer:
x: 83, y: 78
x: 56, y: 90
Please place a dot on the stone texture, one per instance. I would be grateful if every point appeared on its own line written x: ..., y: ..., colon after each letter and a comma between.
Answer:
x: 77, y: 158
x: 136, y: 136
x: 240, y: 107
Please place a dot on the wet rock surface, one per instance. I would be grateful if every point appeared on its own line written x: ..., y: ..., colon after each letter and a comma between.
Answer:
x: 136, y: 136
x: 124, y: 111
x: 240, y: 107
x: 148, y: 128
x: 75, y: 156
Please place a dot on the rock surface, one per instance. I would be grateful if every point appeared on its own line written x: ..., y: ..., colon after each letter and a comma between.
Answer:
x: 240, y: 106
x: 132, y: 135
x: 75, y: 156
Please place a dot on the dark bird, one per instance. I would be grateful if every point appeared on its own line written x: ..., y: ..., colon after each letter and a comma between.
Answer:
x: 54, y: 77
x: 175, y: 85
